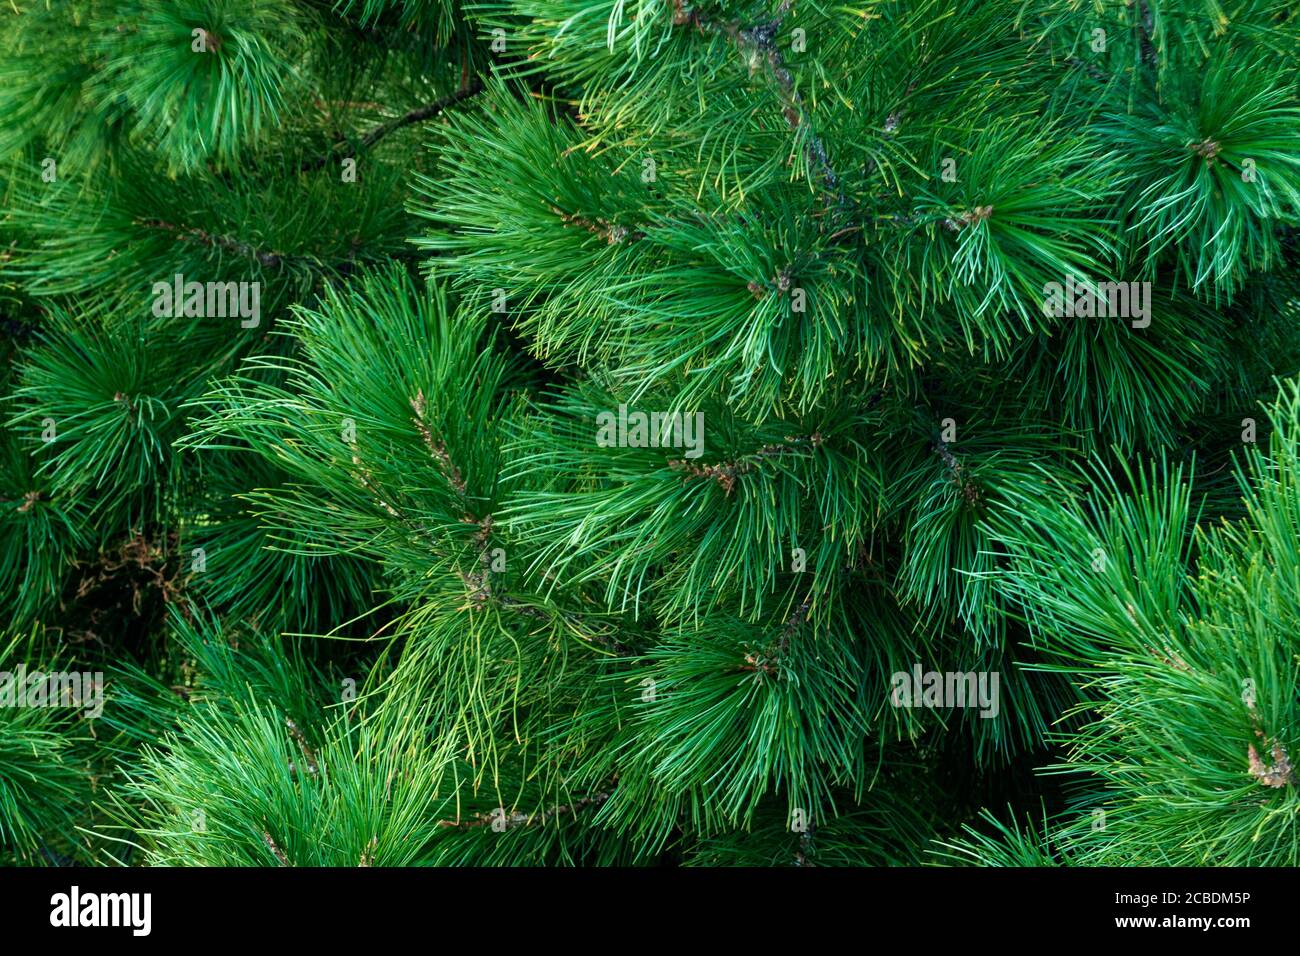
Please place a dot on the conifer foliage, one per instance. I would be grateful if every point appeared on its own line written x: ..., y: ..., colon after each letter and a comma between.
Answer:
x: 592, y: 432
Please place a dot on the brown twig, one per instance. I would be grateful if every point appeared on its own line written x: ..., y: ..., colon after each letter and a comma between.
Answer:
x: 769, y: 661
x: 516, y: 818
x: 611, y: 232
x: 308, y: 755
x: 758, y: 43
x: 275, y: 850
x: 725, y: 473
x: 970, y: 491
x: 204, y: 238
x: 470, y: 86
x: 1277, y: 774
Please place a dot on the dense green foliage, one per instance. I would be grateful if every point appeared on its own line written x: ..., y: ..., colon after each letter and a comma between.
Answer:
x: 368, y: 582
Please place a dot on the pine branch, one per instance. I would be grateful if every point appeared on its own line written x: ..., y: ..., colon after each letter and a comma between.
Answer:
x: 201, y: 237
x: 758, y: 43
x: 469, y: 88
x: 725, y: 473
x: 1146, y: 30
x: 610, y: 232
x: 501, y: 821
